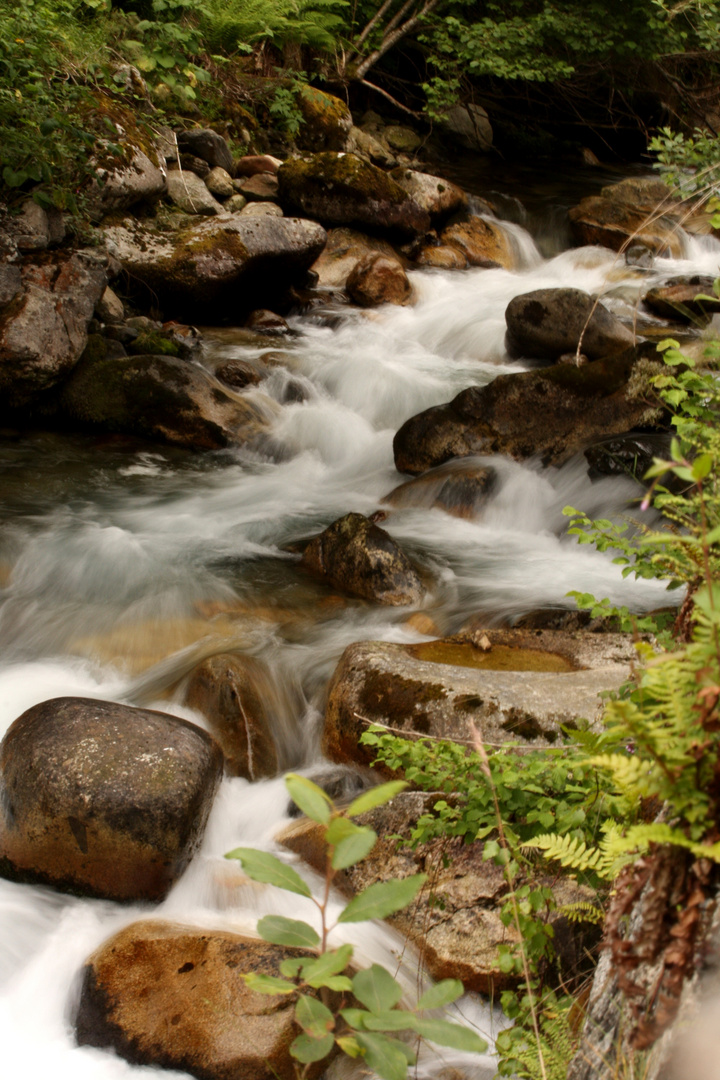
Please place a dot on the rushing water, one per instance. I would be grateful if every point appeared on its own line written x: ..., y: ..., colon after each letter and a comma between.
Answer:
x: 123, y: 564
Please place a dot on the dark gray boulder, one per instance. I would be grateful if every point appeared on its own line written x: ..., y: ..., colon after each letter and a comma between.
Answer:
x: 546, y: 323
x: 208, y: 145
x: 102, y: 799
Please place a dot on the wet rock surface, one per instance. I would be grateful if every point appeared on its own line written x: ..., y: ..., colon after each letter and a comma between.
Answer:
x: 546, y: 323
x: 634, y: 211
x: 388, y: 684
x: 680, y: 301
x: 480, y: 241
x: 231, y: 692
x: 552, y: 412
x: 360, y: 558
x: 460, y: 488
x: 345, y: 249
x: 376, y: 280
x: 159, y: 397
x: 102, y: 799
x: 455, y: 923
x: 167, y: 995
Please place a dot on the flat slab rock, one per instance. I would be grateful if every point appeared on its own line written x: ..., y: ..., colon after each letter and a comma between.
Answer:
x: 382, y: 683
x: 163, y: 994
x: 101, y: 799
x: 455, y: 923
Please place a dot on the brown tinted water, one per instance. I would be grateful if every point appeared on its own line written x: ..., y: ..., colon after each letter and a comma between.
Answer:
x: 498, y: 658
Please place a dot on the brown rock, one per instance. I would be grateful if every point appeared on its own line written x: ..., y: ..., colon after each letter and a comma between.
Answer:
x: 346, y: 248
x: 442, y: 257
x: 635, y: 210
x: 102, y: 799
x: 460, y: 488
x: 231, y: 691
x: 482, y: 242
x: 167, y: 995
x: 238, y: 374
x: 552, y: 412
x: 263, y: 321
x: 677, y: 300
x: 439, y: 197
x: 43, y: 329
x: 361, y: 559
x: 260, y: 187
x: 455, y: 923
x: 252, y: 164
x: 376, y: 280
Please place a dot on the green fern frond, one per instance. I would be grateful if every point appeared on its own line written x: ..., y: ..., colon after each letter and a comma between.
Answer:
x: 583, y: 911
x: 572, y: 853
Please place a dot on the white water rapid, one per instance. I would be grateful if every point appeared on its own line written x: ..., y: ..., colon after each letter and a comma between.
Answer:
x: 123, y: 564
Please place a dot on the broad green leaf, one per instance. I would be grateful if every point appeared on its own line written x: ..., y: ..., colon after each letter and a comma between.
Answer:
x: 268, y: 984
x: 380, y: 900
x: 454, y: 1035
x: 330, y: 963
x: 310, y: 798
x: 291, y: 967
x: 390, y: 1020
x: 338, y: 829
x: 349, y: 1046
x: 353, y: 848
x: 442, y: 993
x: 388, y: 1057
x: 281, y: 931
x: 14, y: 179
x: 307, y: 1049
x: 377, y: 796
x: 261, y: 866
x: 313, y: 1017
x: 354, y: 1018
x: 702, y: 466
x: 375, y: 988
x: 341, y: 983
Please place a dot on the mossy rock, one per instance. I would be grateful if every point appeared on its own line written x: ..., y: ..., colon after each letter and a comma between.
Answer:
x: 153, y: 343
x: 327, y: 120
x: 342, y: 189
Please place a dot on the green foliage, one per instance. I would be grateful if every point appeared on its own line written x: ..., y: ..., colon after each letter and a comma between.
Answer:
x: 163, y: 47
x: 357, y: 1032
x: 229, y: 25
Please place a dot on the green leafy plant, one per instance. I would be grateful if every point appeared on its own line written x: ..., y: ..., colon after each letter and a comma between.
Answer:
x: 337, y: 1007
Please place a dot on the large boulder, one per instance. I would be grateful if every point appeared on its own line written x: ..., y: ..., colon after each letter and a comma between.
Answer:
x: 327, y: 120
x: 159, y: 397
x: 342, y: 189
x: 35, y: 228
x: 206, y: 144
x: 551, y: 412
x: 228, y: 260
x: 545, y: 323
x: 120, y: 183
x: 360, y: 558
x: 456, y: 922
x: 43, y: 325
x: 440, y: 198
x: 519, y: 686
x: 346, y: 248
x: 231, y: 691
x: 102, y: 799
x: 482, y: 242
x: 377, y: 279
x: 163, y: 994
x: 642, y: 211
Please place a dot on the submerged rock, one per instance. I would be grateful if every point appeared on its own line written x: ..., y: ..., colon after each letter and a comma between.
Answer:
x: 230, y: 690
x: 678, y: 300
x: 102, y: 799
x: 359, y: 558
x: 460, y: 488
x: 162, y: 398
x: 162, y: 994
x: 342, y: 189
x: 551, y: 412
x: 524, y: 688
x: 545, y: 323
x: 456, y: 921
x: 230, y: 259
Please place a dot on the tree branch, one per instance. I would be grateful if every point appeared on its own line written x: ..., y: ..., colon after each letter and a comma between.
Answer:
x: 390, y: 98
x: 391, y: 39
